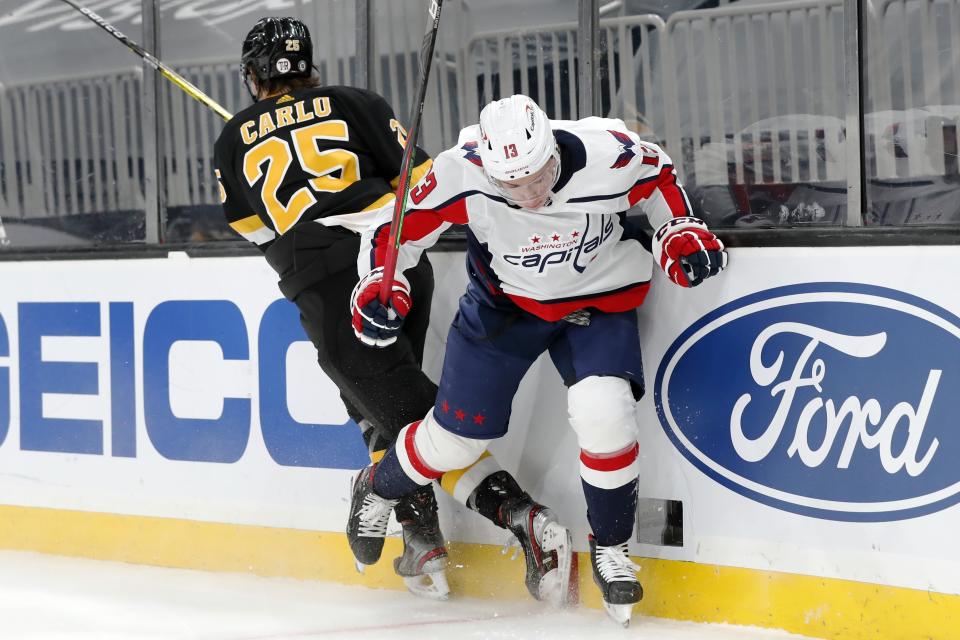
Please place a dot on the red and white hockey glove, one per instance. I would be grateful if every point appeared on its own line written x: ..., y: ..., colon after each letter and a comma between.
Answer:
x: 376, y: 324
x: 688, y: 252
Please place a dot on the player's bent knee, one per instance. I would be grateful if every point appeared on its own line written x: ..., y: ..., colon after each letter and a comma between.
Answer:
x: 444, y: 450
x: 601, y: 410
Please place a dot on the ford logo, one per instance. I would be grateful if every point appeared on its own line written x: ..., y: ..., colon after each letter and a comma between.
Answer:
x: 832, y: 400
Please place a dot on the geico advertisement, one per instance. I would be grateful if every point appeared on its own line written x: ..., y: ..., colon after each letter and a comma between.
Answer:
x: 156, y: 385
x: 175, y: 334
x: 811, y: 420
x: 187, y: 388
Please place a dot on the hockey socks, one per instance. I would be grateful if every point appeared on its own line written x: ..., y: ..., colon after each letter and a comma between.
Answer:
x: 610, y: 488
x: 611, y: 512
x: 390, y: 481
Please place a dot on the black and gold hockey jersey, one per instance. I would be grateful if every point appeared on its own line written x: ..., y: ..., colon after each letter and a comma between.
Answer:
x: 330, y: 154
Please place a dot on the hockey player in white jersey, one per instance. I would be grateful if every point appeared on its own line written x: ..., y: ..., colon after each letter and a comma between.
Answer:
x: 554, y: 266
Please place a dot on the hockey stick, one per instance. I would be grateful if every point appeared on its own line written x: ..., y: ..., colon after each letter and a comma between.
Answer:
x: 164, y: 70
x: 406, y: 165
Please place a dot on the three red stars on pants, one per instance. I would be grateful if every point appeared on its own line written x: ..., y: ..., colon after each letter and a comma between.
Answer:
x: 461, y: 415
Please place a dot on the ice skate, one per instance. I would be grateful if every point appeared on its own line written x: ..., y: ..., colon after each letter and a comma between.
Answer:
x: 546, y: 546
x: 616, y: 576
x: 369, y: 515
x: 423, y: 563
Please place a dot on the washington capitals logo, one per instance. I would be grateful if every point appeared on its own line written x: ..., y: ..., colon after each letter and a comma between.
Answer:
x: 471, y: 153
x: 626, y: 149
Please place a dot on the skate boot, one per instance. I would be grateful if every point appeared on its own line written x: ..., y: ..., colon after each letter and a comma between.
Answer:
x: 546, y: 547
x: 423, y: 563
x: 616, y: 576
x: 369, y: 514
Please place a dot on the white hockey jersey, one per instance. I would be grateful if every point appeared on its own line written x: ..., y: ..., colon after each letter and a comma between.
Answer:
x: 571, y: 254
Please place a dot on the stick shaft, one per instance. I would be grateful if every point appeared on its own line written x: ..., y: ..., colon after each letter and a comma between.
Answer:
x: 406, y: 165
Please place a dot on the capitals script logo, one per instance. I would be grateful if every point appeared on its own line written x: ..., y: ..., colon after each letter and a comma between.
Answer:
x: 829, y: 400
x: 547, y: 250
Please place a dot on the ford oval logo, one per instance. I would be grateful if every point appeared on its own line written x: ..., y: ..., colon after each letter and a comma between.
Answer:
x: 832, y: 400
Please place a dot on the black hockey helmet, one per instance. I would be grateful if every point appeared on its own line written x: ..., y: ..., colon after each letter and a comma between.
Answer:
x: 277, y: 48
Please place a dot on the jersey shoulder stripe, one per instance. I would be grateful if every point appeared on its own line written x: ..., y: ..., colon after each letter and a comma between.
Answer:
x: 649, y: 180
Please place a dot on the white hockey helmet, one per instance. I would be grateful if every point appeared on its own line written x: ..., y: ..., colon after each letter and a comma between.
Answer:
x: 516, y: 142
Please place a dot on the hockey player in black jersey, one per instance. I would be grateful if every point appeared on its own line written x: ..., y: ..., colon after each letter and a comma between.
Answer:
x: 302, y: 172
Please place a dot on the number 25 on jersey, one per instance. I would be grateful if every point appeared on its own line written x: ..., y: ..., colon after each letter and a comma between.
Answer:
x: 273, y: 158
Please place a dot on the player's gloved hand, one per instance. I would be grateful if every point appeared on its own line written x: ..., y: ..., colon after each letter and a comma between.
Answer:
x: 374, y: 323
x: 688, y: 252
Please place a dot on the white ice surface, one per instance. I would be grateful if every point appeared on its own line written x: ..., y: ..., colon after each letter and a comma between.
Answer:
x: 45, y: 597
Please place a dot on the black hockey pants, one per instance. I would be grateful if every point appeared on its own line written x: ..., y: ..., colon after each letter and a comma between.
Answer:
x: 384, y: 385
x: 317, y: 267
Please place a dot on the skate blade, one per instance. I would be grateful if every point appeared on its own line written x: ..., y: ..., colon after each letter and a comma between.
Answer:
x: 361, y: 568
x: 620, y: 613
x: 555, y: 584
x: 432, y: 586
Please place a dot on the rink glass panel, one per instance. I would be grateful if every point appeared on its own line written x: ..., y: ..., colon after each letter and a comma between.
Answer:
x: 912, y: 119
x: 484, y: 51
x: 747, y: 98
x: 71, y: 148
